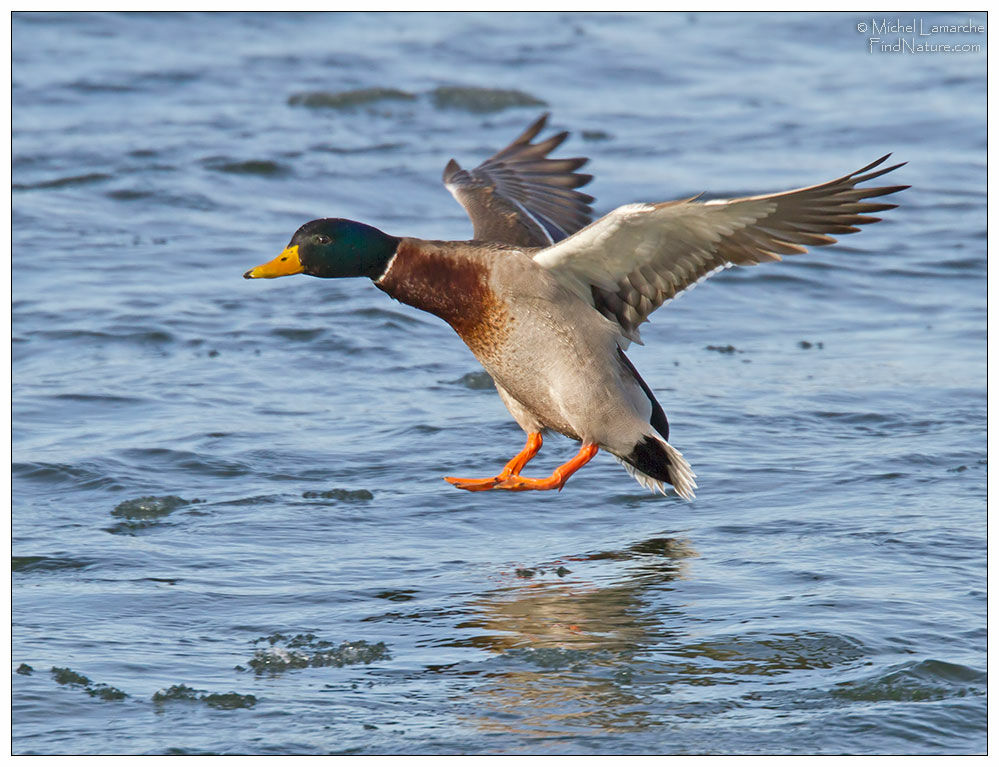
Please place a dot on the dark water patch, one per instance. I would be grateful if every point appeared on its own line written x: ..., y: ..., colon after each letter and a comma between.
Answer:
x: 552, y: 657
x: 283, y: 411
x: 229, y: 700
x: 175, y: 692
x: 477, y: 381
x: 298, y: 334
x: 917, y: 681
x: 383, y: 147
x: 140, y: 170
x: 249, y: 167
x: 67, y: 676
x: 672, y: 548
x: 131, y: 527
x: 56, y: 474
x: 159, y: 79
x: 427, y: 616
x: 770, y: 656
x: 972, y: 264
x: 142, y: 192
x: 472, y: 99
x: 65, y: 181
x: 727, y: 349
x: 340, y: 494
x: 145, y: 336
x: 44, y: 564
x: 531, y: 572
x: 668, y: 548
x: 596, y: 135
x: 97, y: 87
x: 24, y: 669
x: 880, y: 423
x: 225, y: 701
x: 307, y: 650
x: 879, y: 537
x: 160, y: 459
x: 397, y: 595
x: 154, y: 337
x: 843, y: 417
x: 886, y: 476
x: 348, y: 99
x: 255, y: 500
x: 105, y: 692
x: 150, y: 506
x: 145, y: 513
x: 420, y: 430
x: 21, y: 161
x: 109, y: 399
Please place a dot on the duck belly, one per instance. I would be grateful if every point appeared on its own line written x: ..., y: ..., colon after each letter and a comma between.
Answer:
x: 570, y: 380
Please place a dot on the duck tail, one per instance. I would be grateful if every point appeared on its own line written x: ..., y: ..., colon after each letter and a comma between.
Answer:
x: 653, y: 462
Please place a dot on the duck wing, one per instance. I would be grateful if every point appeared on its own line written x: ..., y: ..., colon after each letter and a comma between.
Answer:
x: 520, y: 196
x: 631, y: 261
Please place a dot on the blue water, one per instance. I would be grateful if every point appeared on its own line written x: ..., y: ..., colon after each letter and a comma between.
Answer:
x: 228, y: 486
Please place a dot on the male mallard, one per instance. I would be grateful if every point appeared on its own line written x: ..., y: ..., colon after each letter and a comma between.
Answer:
x: 548, y: 302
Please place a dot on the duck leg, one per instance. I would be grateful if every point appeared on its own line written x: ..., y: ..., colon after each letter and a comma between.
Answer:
x: 512, y: 469
x: 558, y: 478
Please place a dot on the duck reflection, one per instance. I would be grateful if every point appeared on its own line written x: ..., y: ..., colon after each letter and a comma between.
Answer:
x: 576, y: 642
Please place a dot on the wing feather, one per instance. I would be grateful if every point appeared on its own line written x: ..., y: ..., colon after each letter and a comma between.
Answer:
x: 639, y: 256
x: 520, y: 196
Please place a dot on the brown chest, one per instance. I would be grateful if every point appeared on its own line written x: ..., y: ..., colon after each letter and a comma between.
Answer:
x: 455, y: 287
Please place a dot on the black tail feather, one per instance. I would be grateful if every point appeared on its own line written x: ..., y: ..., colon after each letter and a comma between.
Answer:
x: 650, y: 457
x: 654, y: 464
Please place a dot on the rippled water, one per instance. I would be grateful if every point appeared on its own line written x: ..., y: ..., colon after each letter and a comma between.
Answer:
x: 230, y: 529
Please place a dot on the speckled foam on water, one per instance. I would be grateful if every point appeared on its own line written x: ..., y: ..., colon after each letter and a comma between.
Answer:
x: 211, y: 473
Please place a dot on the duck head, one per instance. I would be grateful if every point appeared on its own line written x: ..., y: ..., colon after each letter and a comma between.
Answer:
x: 332, y: 247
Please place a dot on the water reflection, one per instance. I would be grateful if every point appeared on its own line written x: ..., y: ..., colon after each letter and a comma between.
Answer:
x: 596, y: 644
x: 571, y: 645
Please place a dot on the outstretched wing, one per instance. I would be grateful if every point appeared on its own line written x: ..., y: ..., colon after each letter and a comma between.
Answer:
x: 638, y: 256
x: 520, y: 196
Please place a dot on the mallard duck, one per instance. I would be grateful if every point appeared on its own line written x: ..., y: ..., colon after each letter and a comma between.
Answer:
x: 548, y: 302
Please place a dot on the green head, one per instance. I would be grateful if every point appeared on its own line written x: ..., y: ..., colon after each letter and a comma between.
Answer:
x: 332, y: 247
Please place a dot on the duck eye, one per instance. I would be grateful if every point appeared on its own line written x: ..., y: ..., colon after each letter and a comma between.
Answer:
x: 322, y: 239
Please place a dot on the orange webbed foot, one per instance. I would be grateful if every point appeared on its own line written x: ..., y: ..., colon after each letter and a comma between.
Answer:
x: 518, y: 484
x: 474, y: 484
x: 513, y: 467
x: 510, y: 479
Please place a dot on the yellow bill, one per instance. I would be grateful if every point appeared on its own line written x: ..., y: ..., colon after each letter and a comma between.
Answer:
x: 286, y: 263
